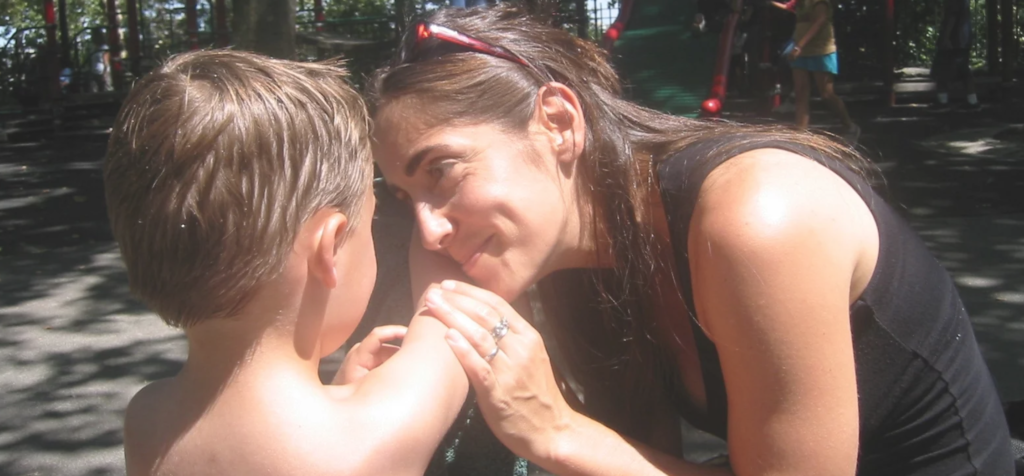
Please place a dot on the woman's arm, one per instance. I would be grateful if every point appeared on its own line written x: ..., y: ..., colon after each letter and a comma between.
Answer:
x: 589, y: 448
x: 779, y: 247
x: 522, y: 401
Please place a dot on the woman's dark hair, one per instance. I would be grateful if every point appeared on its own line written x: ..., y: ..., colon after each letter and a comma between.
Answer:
x: 623, y: 145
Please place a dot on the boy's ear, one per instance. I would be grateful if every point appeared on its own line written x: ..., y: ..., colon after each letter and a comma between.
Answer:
x: 329, y: 234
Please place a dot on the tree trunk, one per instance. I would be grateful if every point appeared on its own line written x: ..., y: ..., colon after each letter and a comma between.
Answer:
x: 583, y: 26
x: 264, y: 26
x: 889, y: 53
x: 992, y: 27
x: 1007, y: 34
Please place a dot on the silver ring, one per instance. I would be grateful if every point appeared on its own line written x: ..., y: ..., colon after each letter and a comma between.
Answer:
x: 500, y: 329
x: 489, y: 357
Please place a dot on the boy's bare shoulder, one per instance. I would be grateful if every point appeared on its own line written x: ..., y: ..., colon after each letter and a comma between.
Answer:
x: 143, y: 427
x: 334, y: 431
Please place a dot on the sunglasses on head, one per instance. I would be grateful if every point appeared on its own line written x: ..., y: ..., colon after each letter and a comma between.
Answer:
x: 428, y: 34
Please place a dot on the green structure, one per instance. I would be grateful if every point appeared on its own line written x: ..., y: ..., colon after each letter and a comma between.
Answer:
x: 664, y: 63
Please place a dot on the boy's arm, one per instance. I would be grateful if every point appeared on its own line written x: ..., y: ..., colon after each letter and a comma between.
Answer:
x: 412, y: 399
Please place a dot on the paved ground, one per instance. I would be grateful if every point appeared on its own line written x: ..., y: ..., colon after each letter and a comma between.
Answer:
x: 74, y: 346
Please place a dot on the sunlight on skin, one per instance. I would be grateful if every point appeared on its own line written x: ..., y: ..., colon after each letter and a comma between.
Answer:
x: 772, y: 208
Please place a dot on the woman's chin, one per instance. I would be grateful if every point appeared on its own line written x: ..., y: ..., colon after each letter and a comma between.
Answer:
x: 507, y: 289
x: 500, y: 275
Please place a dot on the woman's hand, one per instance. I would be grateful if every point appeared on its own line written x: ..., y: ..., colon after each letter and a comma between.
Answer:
x: 369, y: 354
x: 506, y: 362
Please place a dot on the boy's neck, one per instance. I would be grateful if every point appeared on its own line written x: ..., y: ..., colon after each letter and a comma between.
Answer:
x: 264, y: 339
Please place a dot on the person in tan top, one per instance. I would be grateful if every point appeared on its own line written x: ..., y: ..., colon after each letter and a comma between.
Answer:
x: 239, y: 189
x: 813, y: 54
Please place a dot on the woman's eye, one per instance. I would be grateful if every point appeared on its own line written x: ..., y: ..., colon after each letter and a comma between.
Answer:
x: 440, y: 169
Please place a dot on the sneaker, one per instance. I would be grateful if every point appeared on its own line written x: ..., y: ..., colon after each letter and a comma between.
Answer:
x: 851, y: 135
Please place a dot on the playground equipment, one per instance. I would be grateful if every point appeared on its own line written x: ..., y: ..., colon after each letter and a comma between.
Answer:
x: 666, y: 60
x: 669, y: 66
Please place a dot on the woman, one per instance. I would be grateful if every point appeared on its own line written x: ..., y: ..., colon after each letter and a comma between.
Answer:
x: 813, y: 55
x: 771, y: 299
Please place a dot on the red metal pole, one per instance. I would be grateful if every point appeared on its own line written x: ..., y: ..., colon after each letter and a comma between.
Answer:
x: 318, y: 14
x: 612, y: 34
x: 134, y: 57
x: 50, y: 18
x: 50, y: 55
x: 221, y: 12
x: 114, y: 41
x: 192, y: 24
x: 712, y: 106
x: 888, y: 55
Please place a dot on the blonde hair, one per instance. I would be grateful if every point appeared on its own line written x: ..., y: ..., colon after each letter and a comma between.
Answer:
x: 216, y: 160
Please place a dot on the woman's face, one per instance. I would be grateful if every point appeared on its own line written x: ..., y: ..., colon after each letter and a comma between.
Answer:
x: 499, y: 204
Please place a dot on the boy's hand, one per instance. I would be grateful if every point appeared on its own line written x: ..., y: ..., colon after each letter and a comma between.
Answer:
x: 368, y: 354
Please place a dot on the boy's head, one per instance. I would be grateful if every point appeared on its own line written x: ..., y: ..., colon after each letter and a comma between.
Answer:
x: 216, y: 161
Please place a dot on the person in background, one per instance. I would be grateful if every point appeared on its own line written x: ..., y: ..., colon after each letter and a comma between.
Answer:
x: 953, y: 54
x: 813, y: 55
x: 99, y: 64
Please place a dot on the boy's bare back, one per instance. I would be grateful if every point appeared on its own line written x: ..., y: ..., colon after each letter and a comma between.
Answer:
x: 253, y: 428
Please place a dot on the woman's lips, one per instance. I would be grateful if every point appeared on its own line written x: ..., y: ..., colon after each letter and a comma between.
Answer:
x: 475, y: 257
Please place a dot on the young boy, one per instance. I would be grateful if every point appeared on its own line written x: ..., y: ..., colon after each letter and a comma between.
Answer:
x: 239, y: 191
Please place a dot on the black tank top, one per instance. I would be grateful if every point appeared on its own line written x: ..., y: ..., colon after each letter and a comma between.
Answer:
x: 927, y: 402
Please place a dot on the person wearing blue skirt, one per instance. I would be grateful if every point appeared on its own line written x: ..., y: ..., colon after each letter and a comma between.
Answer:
x: 812, y: 53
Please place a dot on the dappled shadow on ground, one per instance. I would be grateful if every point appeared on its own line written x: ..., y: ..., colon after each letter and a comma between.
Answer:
x: 986, y: 259
x: 958, y: 178
x: 963, y: 190
x: 74, y: 344
x: 51, y: 194
x: 75, y: 347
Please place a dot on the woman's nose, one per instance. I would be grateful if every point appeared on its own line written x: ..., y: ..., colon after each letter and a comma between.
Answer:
x: 435, y: 228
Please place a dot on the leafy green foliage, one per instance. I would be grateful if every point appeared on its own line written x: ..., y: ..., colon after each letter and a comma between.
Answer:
x: 860, y: 25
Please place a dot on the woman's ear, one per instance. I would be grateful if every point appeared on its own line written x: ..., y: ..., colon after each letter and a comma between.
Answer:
x: 327, y: 235
x: 560, y: 116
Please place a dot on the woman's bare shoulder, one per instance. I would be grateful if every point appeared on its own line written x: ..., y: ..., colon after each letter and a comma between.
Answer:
x: 775, y: 209
x: 772, y: 192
